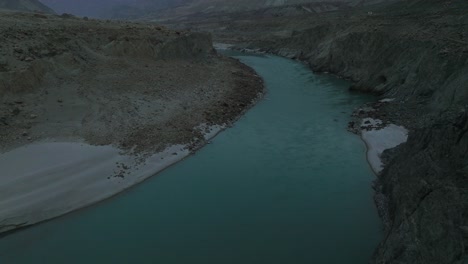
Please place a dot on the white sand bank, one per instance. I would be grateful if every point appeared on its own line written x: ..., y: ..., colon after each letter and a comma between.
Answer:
x: 45, y: 180
x: 380, y: 139
x: 222, y: 46
x: 387, y: 100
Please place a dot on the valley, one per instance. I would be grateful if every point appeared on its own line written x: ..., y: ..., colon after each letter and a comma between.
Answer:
x: 149, y: 79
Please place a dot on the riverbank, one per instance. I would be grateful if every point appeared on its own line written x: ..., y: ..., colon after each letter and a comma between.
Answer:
x: 111, y: 103
x: 414, y: 52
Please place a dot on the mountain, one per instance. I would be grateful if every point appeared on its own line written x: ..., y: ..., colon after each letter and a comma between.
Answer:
x: 171, y: 9
x: 136, y: 9
x: 89, y: 8
x: 110, y: 8
x: 25, y: 5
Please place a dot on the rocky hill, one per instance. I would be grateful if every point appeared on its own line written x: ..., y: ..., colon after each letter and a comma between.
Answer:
x: 65, y: 77
x: 25, y: 5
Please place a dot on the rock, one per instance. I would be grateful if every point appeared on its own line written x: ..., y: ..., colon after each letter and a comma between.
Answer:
x: 3, y: 121
x: 33, y: 116
x: 24, y: 134
x: 16, y: 111
x: 44, y: 52
x: 464, y: 230
x: 28, y: 59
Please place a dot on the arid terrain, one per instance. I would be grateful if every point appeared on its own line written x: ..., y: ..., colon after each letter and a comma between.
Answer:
x: 142, y: 87
x: 136, y: 86
x: 102, y: 106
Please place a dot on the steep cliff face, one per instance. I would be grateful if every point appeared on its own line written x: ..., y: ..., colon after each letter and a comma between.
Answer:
x: 25, y: 5
x: 417, y: 53
x: 426, y: 189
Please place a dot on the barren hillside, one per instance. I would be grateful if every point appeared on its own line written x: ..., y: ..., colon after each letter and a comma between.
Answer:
x: 126, y: 84
x: 184, y: 8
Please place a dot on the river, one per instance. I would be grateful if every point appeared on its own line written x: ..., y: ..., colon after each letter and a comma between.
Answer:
x: 287, y: 184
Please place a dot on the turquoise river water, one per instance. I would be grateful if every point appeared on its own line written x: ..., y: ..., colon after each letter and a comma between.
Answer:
x: 287, y: 184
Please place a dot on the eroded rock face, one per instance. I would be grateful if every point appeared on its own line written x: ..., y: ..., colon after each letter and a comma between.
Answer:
x: 426, y: 186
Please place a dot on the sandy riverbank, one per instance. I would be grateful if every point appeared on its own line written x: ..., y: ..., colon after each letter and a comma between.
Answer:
x: 72, y: 175
x: 379, y: 138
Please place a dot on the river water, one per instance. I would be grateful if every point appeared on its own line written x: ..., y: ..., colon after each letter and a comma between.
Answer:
x: 287, y: 184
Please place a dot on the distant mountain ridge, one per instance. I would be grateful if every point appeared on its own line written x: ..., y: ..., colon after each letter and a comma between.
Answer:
x: 25, y: 5
x: 110, y: 8
x: 136, y: 9
x: 155, y: 8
